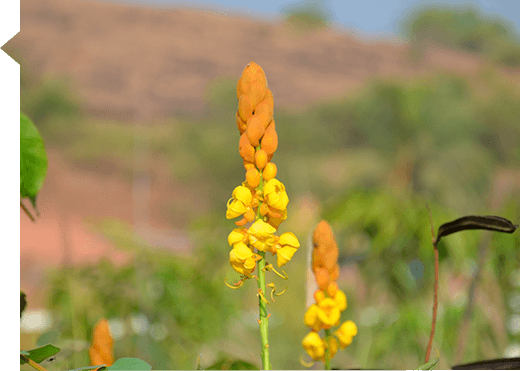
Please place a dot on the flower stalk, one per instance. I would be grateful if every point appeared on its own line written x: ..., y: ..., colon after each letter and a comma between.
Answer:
x: 261, y: 201
x: 330, y: 301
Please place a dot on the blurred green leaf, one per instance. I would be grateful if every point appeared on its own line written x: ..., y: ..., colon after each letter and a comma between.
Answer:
x: 33, y: 160
x: 429, y: 365
x: 41, y: 353
x: 48, y: 337
x: 130, y: 364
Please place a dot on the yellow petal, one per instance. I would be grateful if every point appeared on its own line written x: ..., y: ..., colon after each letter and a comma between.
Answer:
x: 242, y: 252
x: 289, y: 239
x: 284, y: 254
x: 237, y: 235
x: 243, y: 194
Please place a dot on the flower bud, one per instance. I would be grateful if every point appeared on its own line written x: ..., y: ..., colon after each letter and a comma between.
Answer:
x: 260, y: 159
x: 240, y: 124
x: 255, y: 130
x: 332, y: 289
x: 249, y: 165
x: 245, y: 108
x: 246, y: 150
x: 253, y: 177
x: 256, y: 93
x: 319, y: 296
x: 322, y: 278
x: 269, y: 171
x: 270, y: 139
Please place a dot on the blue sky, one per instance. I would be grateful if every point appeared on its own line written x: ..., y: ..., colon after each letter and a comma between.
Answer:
x: 371, y: 17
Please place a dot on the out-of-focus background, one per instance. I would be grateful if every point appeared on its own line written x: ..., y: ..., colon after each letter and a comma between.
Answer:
x: 379, y: 110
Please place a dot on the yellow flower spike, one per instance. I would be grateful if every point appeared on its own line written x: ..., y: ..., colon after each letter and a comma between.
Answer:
x: 261, y: 294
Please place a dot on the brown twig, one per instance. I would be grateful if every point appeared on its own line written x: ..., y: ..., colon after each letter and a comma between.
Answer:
x: 434, y: 316
x: 26, y: 211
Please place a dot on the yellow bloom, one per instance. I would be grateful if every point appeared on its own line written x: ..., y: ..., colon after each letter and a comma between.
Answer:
x: 261, y: 235
x: 341, y: 300
x: 240, y: 202
x: 242, y: 259
x: 312, y: 319
x: 329, y: 313
x: 238, y: 235
x: 345, y: 333
x: 314, y: 345
x: 275, y: 195
x: 286, y: 247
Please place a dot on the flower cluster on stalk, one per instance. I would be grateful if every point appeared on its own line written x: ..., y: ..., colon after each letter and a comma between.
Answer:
x: 261, y: 199
x: 330, y: 300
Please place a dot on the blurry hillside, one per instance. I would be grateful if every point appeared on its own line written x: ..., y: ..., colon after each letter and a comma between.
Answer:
x: 113, y: 53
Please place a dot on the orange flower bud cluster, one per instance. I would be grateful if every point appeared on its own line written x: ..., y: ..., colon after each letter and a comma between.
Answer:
x: 255, y: 122
x: 325, y: 256
x: 101, y: 351
x: 330, y: 300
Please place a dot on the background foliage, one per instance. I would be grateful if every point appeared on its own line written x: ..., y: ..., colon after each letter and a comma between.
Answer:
x: 373, y: 159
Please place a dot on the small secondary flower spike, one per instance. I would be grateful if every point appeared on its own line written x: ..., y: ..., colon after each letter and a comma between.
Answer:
x: 101, y: 351
x: 330, y: 300
x: 261, y: 199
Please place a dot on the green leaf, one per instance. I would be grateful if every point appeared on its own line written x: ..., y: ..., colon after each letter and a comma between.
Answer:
x: 40, y: 354
x: 430, y: 365
x: 33, y: 160
x: 130, y: 364
x: 23, y: 303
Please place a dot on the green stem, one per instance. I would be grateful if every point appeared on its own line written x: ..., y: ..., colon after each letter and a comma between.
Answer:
x: 264, y: 322
x: 327, y: 353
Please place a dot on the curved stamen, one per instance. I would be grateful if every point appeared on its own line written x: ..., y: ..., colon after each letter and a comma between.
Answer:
x: 236, y: 285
